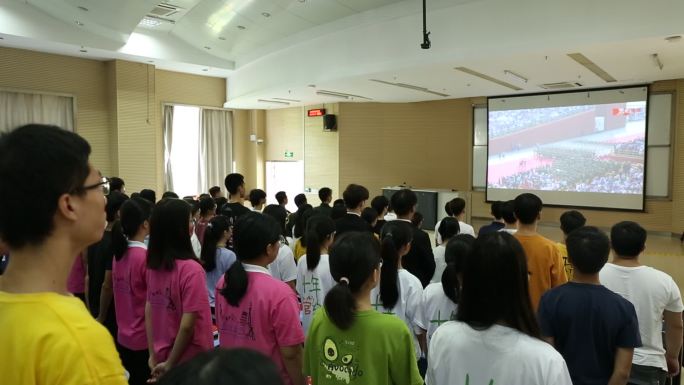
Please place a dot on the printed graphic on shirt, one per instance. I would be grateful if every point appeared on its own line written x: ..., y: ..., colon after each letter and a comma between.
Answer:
x: 340, y: 360
x: 378, y: 306
x: 467, y: 381
x: 240, y: 326
x: 163, y: 299
x: 439, y: 321
x: 312, y: 301
x: 122, y: 283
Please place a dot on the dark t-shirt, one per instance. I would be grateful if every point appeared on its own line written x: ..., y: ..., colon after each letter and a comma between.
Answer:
x: 491, y: 228
x: 100, y: 257
x: 323, y: 209
x: 420, y: 261
x: 351, y: 222
x: 234, y: 211
x: 588, y: 324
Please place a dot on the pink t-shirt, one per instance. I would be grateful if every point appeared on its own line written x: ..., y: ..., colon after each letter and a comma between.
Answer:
x: 172, y: 293
x: 201, y: 228
x: 266, y: 319
x: 130, y: 293
x: 76, y: 279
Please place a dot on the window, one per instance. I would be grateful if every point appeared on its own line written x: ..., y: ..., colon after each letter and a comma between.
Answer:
x: 184, y: 154
x: 18, y: 108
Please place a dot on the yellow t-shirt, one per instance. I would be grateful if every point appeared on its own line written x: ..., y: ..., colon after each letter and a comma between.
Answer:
x: 51, y: 339
x: 566, y: 264
x: 544, y: 264
x: 299, y: 250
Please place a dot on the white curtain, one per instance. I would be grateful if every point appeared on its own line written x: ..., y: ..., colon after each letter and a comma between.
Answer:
x: 18, y: 108
x: 215, y: 147
x: 168, y: 144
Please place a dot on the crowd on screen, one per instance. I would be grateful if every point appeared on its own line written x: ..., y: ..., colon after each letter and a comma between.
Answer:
x: 510, y: 121
x: 101, y: 287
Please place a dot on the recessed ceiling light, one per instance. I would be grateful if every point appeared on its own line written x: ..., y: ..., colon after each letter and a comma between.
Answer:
x: 205, y: 69
x: 83, y: 49
x: 149, y: 22
x: 78, y: 23
x: 265, y: 14
x: 150, y: 61
x: 673, y: 39
x: 82, y: 8
x: 221, y: 38
x: 312, y: 85
x: 241, y: 27
x: 207, y: 47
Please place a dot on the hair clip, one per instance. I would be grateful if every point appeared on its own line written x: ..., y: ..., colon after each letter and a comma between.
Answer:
x: 344, y: 280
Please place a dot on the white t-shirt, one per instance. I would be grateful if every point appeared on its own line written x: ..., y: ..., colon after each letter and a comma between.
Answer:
x: 509, y: 231
x: 312, y: 287
x: 651, y: 292
x: 463, y: 227
x: 407, y: 307
x: 196, y: 245
x: 440, y: 263
x: 284, y: 267
x: 460, y: 354
x: 436, y: 308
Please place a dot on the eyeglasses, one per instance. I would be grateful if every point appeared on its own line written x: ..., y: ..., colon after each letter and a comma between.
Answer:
x: 104, y: 184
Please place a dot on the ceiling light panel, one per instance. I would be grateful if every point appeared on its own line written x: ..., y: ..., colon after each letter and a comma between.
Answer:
x: 593, y: 67
x: 488, y: 78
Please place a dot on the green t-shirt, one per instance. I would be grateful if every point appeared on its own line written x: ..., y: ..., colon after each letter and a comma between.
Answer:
x: 376, y: 350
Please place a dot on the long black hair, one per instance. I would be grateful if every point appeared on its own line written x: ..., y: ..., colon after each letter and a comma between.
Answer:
x: 216, y: 228
x: 455, y: 255
x: 252, y: 234
x: 304, y: 212
x: 353, y: 258
x: 394, y: 235
x: 169, y: 234
x: 318, y: 229
x: 132, y: 214
x: 495, y: 286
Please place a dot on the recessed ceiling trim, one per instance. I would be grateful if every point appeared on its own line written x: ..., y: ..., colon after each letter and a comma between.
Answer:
x: 272, y: 102
x: 288, y: 100
x: 340, y: 94
x: 591, y: 66
x: 488, y: 78
x: 409, y: 86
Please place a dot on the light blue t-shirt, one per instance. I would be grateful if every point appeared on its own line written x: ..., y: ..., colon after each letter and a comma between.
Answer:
x: 224, y: 259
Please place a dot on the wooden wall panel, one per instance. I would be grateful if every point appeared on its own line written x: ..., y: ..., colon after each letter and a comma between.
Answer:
x: 284, y: 132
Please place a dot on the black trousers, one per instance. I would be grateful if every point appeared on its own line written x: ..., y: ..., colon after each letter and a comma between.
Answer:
x: 136, y: 363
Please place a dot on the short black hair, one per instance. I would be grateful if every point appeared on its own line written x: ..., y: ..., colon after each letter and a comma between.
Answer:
x: 403, y: 201
x: 149, y: 194
x: 354, y: 195
x: 214, y: 190
x: 417, y: 218
x: 507, y: 212
x: 206, y: 205
x: 256, y: 196
x: 496, y: 209
x: 169, y: 194
x: 233, y: 182
x: 114, y: 201
x: 571, y: 220
x: 527, y: 207
x: 380, y: 203
x: 628, y: 239
x: 300, y: 199
x: 38, y: 164
x: 457, y: 206
x: 325, y: 194
x: 448, y: 228
x: 447, y: 209
x: 369, y: 215
x: 280, y: 197
x: 116, y: 183
x: 588, y: 249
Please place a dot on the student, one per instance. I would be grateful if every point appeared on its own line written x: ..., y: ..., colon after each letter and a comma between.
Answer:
x: 313, y: 272
x: 77, y: 277
x: 338, y: 210
x: 440, y: 299
x: 195, y: 212
x: 370, y: 216
x: 170, y: 195
x: 284, y: 268
x: 117, y: 184
x: 381, y: 204
x: 655, y: 297
x: 399, y: 292
x: 448, y: 228
x: 508, y: 215
x: 419, y: 261
x: 129, y: 273
x: 257, y: 198
x: 292, y: 219
x: 235, y: 208
x: 225, y: 366
x: 543, y: 258
x: 216, y: 258
x: 254, y: 310
x: 177, y: 315
x: 569, y: 221
x: 495, y: 339
x: 304, y: 212
x: 99, y: 279
x: 455, y: 208
x: 325, y: 195
x: 300, y: 200
x: 47, y: 335
x: 281, y: 198
x: 594, y: 329
x: 498, y: 222
x: 348, y: 341
x: 207, y: 210
x: 417, y: 220
x: 148, y: 194
x: 215, y: 192
x: 355, y: 197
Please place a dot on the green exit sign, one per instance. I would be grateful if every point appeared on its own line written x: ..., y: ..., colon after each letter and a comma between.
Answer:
x: 289, y: 154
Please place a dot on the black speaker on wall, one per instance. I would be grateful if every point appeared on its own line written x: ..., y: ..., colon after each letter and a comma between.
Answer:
x: 329, y: 122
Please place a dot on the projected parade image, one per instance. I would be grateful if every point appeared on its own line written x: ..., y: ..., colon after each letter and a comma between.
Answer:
x: 597, y: 148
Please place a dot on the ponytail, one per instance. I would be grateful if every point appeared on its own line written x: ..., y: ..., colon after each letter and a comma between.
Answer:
x: 212, y: 235
x: 133, y: 213
x: 353, y: 258
x: 318, y: 228
x: 457, y: 250
x: 395, y: 235
x: 252, y: 235
x: 450, y: 283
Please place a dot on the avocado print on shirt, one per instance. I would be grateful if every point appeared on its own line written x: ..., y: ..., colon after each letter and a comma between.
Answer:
x: 339, y: 360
